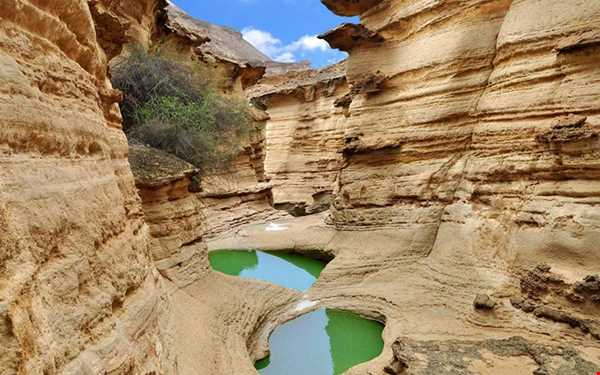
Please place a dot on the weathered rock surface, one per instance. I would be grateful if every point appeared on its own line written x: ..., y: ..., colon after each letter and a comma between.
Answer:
x: 86, y: 285
x: 460, y: 151
x: 172, y: 212
x: 78, y: 292
x: 469, y: 156
x: 216, y: 318
x: 123, y: 23
x: 304, y: 136
x: 468, y: 133
x: 222, y: 49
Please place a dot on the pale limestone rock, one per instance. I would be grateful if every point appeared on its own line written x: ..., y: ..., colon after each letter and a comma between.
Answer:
x: 123, y: 23
x: 172, y: 212
x: 461, y: 149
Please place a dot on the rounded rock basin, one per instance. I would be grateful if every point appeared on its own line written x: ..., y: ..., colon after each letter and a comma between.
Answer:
x: 323, y: 342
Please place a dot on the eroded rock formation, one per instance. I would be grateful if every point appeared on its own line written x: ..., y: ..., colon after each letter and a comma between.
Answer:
x: 304, y: 136
x: 235, y: 62
x: 458, y: 147
x: 173, y: 213
x: 124, y: 23
x: 464, y: 129
x: 78, y: 293
x: 469, y: 157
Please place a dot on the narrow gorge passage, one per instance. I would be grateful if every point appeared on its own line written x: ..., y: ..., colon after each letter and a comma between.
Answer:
x: 444, y: 153
x: 322, y: 342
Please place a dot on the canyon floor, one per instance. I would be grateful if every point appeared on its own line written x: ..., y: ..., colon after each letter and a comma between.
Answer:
x: 426, y: 303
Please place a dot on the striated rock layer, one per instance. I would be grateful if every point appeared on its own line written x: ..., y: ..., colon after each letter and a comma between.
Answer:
x: 455, y: 131
x: 466, y: 206
x: 86, y: 285
x: 172, y: 212
x: 78, y: 292
x: 232, y: 62
x: 304, y: 136
x: 465, y: 211
x: 460, y: 151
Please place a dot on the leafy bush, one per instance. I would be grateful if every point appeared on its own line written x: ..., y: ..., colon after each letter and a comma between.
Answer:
x: 170, y: 106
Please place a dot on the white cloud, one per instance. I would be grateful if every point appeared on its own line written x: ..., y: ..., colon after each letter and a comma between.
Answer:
x: 309, y: 43
x: 262, y: 40
x: 286, y: 57
x: 275, y: 49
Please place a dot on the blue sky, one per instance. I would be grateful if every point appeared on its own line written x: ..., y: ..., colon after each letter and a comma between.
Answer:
x: 285, y: 30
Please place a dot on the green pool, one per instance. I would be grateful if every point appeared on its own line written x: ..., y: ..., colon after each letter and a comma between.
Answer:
x: 323, y: 342
x: 287, y: 269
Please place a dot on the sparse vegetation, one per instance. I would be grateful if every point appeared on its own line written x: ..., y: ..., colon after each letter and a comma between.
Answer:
x: 171, y: 106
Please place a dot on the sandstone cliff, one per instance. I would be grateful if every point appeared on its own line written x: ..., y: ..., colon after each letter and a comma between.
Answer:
x: 121, y: 24
x: 465, y: 208
x: 304, y: 136
x: 172, y: 213
x: 471, y: 152
x: 233, y: 62
x: 78, y: 293
x: 92, y: 281
x: 459, y: 145
x: 452, y: 130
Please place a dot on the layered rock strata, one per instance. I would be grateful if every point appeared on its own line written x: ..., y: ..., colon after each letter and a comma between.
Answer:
x: 78, y: 292
x: 235, y: 62
x: 304, y: 136
x: 123, y: 23
x: 463, y: 167
x: 172, y: 213
x: 430, y: 147
x: 469, y: 173
x: 218, y: 320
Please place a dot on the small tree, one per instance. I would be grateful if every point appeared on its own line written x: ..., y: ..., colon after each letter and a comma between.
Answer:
x: 170, y: 106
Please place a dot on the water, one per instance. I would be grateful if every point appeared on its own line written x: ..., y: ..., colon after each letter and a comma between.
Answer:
x: 290, y: 270
x: 323, y: 342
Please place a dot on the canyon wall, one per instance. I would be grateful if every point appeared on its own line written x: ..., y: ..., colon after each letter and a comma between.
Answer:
x: 172, y: 212
x: 236, y: 193
x: 78, y: 292
x: 481, y: 115
x: 465, y: 204
x: 458, y: 148
x: 121, y: 24
x: 95, y: 280
x: 466, y: 209
x: 304, y: 136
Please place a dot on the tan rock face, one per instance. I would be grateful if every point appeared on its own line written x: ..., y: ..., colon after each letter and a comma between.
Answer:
x: 232, y: 62
x: 172, y: 212
x: 350, y: 7
x: 121, y: 23
x: 465, y: 210
x: 468, y: 125
x: 77, y: 290
x: 304, y: 136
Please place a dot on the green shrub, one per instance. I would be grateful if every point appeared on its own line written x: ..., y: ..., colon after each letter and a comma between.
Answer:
x: 170, y: 106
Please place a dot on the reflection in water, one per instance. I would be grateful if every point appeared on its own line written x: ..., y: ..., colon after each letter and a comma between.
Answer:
x: 352, y: 339
x: 286, y: 269
x: 300, y: 347
x: 324, y: 342
x: 233, y: 263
